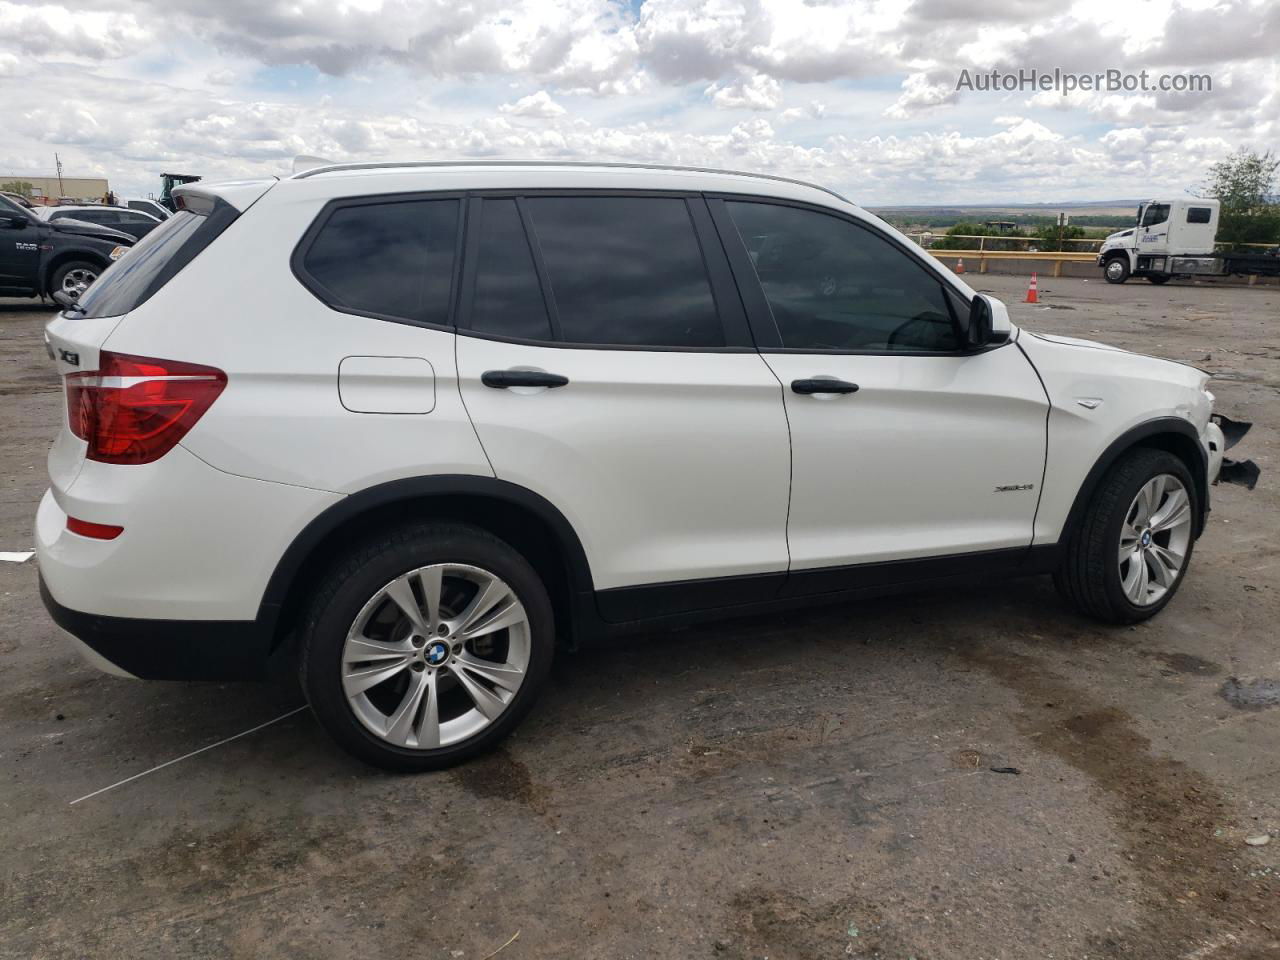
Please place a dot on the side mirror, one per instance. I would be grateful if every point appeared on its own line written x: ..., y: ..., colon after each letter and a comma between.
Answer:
x: 988, y: 323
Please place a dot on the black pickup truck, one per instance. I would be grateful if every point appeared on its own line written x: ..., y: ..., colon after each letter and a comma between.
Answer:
x: 39, y: 257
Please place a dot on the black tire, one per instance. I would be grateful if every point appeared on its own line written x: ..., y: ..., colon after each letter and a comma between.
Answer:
x: 60, y: 275
x: 343, y: 593
x: 1119, y: 266
x: 1159, y: 278
x: 1089, y: 575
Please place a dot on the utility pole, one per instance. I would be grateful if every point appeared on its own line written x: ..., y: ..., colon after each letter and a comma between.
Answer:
x: 58, y: 163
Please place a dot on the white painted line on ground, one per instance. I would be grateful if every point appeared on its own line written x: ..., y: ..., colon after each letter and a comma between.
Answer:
x: 187, y: 756
x: 19, y: 557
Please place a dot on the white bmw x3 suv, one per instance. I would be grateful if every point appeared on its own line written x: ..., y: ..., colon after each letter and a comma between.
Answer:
x: 413, y: 427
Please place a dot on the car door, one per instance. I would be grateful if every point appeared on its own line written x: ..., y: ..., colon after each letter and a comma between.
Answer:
x: 19, y: 248
x: 1153, y: 229
x: 905, y: 446
x: 607, y: 366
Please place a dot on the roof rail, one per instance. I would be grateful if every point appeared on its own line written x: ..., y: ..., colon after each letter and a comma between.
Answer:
x: 387, y: 165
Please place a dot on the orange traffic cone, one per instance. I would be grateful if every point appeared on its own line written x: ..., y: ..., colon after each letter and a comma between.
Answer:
x: 959, y: 266
x: 1031, y: 291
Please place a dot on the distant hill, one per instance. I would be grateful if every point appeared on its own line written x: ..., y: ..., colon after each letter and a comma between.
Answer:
x: 1090, y: 213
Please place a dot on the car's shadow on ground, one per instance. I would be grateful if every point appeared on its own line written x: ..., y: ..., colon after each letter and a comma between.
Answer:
x: 613, y: 682
x: 812, y: 659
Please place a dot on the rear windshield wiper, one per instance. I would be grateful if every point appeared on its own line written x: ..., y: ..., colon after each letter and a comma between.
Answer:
x: 67, y: 302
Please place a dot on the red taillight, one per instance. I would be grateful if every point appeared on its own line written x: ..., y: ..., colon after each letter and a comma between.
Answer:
x: 135, y: 409
x: 98, y: 531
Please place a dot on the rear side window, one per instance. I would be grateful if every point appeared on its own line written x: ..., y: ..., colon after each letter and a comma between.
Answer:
x: 626, y: 271
x: 390, y: 260
x: 154, y: 260
x: 1198, y: 214
x: 508, y: 299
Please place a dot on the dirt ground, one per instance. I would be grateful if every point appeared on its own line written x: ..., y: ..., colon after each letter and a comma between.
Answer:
x: 816, y: 785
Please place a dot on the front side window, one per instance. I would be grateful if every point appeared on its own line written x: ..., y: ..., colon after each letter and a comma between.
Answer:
x: 834, y: 285
x: 1156, y: 214
x: 389, y: 259
x: 626, y: 271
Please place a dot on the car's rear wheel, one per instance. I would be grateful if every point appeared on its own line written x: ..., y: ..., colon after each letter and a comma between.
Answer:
x: 427, y: 646
x: 1131, y: 550
x: 1158, y: 278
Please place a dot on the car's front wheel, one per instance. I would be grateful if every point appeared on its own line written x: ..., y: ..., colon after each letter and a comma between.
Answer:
x: 1116, y: 270
x: 74, y: 278
x: 1131, y: 550
x: 427, y: 646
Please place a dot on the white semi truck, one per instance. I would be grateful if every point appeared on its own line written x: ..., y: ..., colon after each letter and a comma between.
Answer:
x: 1175, y: 238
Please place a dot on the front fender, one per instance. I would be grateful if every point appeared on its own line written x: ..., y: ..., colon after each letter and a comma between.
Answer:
x: 1104, y: 401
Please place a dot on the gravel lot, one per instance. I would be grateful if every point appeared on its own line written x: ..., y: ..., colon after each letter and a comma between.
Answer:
x: 805, y: 786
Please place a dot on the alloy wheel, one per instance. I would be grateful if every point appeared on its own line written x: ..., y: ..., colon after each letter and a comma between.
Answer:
x: 1154, y: 539
x: 436, y: 656
x: 77, y: 281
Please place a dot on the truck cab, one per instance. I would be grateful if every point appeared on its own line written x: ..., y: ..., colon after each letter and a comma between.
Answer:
x: 1169, y: 237
x: 38, y: 257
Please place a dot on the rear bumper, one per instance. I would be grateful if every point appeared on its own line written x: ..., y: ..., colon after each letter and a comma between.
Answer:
x: 166, y: 649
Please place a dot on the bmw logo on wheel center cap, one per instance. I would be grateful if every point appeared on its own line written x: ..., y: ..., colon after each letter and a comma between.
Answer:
x: 437, y: 653
x: 1146, y: 538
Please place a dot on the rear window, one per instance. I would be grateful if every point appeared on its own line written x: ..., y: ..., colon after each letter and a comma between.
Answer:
x: 390, y: 260
x: 1198, y: 214
x: 626, y: 271
x: 154, y: 260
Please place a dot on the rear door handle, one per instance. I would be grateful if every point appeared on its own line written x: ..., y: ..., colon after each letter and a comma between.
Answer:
x: 823, y: 386
x: 501, y: 379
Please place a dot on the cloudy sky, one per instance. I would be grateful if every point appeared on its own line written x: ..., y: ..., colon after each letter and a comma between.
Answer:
x: 859, y: 95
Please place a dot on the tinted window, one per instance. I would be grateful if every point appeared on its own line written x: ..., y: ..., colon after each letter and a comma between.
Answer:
x: 833, y: 285
x: 626, y: 270
x: 388, y: 259
x: 1198, y: 214
x: 149, y: 264
x: 85, y: 216
x: 1156, y: 213
x: 508, y: 300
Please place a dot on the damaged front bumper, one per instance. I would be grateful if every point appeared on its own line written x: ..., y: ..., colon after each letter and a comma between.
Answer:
x: 1224, y: 433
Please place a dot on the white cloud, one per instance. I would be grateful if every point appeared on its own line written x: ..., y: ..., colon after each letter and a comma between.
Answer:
x: 539, y: 105
x: 236, y: 87
x: 813, y: 110
x: 754, y: 93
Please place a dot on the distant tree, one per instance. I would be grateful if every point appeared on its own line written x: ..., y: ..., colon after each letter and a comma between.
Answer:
x: 1049, y: 236
x: 1245, y: 185
x: 957, y: 238
x: 18, y: 186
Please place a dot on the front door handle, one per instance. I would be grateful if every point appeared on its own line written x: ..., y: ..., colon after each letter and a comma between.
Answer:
x: 501, y: 379
x: 813, y: 386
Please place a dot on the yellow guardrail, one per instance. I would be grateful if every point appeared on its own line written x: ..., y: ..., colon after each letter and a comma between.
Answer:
x: 1057, y: 258
x: 984, y: 239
